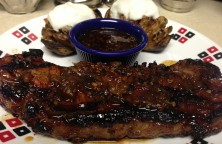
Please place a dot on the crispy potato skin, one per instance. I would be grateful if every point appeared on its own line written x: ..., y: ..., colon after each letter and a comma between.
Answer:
x: 157, y: 32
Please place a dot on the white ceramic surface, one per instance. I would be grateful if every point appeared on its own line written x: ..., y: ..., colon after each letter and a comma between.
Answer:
x: 186, y: 43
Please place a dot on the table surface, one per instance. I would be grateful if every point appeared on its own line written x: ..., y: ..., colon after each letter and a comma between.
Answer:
x: 206, y: 17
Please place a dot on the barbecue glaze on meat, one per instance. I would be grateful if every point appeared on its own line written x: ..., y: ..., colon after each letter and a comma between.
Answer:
x: 99, y: 101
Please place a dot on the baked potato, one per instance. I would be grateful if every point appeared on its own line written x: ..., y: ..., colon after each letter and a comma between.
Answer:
x: 58, y: 41
x: 158, y: 34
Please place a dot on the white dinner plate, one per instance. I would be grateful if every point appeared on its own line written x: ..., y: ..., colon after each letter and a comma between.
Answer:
x: 186, y: 43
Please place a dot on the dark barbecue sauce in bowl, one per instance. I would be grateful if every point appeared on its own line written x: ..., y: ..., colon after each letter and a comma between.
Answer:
x: 108, y: 40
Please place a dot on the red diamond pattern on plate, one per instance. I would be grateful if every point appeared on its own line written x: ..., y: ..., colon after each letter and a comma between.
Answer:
x: 32, y: 36
x: 6, y: 136
x: 14, y: 122
x: 182, y: 30
x: 182, y: 39
x: 208, y: 59
x: 17, y: 34
x: 212, y: 49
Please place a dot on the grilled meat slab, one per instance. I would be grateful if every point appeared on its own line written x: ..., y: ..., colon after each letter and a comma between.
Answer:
x: 100, y: 101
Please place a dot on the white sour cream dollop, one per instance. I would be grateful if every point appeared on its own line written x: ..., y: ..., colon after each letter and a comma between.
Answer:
x: 134, y: 9
x: 69, y: 14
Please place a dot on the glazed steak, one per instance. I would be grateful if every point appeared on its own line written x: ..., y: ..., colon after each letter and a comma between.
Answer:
x: 100, y: 101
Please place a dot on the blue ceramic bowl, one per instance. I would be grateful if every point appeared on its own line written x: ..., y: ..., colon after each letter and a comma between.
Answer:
x: 125, y: 56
